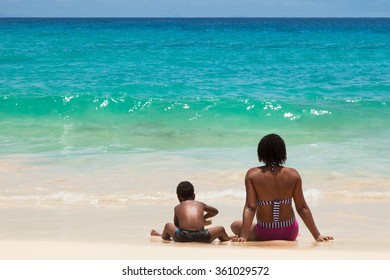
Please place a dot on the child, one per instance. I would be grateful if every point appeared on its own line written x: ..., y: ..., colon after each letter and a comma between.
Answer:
x: 190, y: 218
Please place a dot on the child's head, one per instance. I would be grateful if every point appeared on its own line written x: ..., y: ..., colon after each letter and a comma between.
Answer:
x: 185, y: 191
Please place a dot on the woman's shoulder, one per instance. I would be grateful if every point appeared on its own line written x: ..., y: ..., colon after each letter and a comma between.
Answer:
x: 291, y: 171
x: 256, y: 171
x: 253, y: 170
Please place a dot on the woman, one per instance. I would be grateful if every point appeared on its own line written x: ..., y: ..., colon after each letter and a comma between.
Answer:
x: 270, y: 190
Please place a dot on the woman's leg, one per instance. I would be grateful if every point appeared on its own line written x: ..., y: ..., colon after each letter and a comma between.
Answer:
x: 236, y: 227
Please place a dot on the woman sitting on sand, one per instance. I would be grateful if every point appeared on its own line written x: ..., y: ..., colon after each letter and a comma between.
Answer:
x: 270, y: 190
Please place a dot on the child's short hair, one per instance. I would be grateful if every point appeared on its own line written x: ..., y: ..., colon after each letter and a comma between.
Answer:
x: 272, y: 150
x: 185, y: 190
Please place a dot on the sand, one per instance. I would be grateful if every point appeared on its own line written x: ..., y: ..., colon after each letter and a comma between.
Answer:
x: 114, y: 233
x: 78, y: 242
x: 158, y: 250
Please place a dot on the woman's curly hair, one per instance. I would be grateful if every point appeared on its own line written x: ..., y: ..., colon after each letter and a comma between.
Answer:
x: 272, y: 150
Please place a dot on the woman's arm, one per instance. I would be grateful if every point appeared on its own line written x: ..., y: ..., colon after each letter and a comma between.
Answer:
x: 249, y: 209
x: 304, y: 212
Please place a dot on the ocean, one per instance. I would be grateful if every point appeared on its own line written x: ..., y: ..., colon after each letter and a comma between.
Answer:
x: 115, y: 112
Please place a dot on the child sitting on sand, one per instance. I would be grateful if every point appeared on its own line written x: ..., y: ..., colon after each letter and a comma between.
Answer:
x: 190, y: 219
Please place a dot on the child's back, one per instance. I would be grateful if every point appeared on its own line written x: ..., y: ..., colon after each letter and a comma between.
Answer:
x: 189, y: 219
x: 190, y: 214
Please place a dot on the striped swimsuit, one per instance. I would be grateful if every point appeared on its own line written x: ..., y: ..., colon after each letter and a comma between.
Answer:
x: 276, y: 230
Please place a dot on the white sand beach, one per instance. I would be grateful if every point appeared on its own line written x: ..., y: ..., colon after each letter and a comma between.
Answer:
x: 123, y: 233
x: 91, y: 207
x: 62, y: 250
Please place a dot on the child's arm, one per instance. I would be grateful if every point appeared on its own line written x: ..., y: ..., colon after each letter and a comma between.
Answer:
x: 210, y: 211
x: 176, y: 219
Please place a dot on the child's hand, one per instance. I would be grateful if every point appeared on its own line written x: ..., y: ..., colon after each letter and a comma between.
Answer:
x: 207, y: 222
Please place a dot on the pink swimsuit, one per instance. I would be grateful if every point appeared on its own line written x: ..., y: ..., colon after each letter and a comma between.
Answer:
x: 276, y: 230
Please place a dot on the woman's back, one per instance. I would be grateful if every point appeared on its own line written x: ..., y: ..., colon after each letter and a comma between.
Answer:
x: 274, y: 189
x: 270, y: 190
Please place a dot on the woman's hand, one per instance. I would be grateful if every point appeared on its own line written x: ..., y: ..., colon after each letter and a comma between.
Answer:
x: 239, y: 239
x: 324, y: 238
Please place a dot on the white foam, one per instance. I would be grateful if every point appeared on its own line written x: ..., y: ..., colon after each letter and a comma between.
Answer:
x: 223, y: 195
x: 319, y: 112
x: 313, y: 195
x: 375, y: 195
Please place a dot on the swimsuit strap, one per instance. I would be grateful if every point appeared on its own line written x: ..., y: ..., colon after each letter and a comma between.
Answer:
x: 269, y: 202
x: 276, y: 206
x: 272, y: 164
x: 278, y: 224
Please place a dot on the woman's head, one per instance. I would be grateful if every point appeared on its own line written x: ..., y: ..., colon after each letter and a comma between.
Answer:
x: 272, y: 150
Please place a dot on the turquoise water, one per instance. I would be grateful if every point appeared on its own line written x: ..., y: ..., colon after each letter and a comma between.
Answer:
x: 128, y: 84
x: 101, y: 111
x: 101, y: 118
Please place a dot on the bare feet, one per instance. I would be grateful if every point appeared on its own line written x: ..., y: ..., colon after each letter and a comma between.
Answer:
x: 154, y: 233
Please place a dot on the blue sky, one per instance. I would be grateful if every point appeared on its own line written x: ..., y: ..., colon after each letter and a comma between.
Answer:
x: 195, y: 8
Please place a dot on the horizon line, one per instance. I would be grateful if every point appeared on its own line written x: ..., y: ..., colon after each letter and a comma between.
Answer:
x: 195, y: 17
